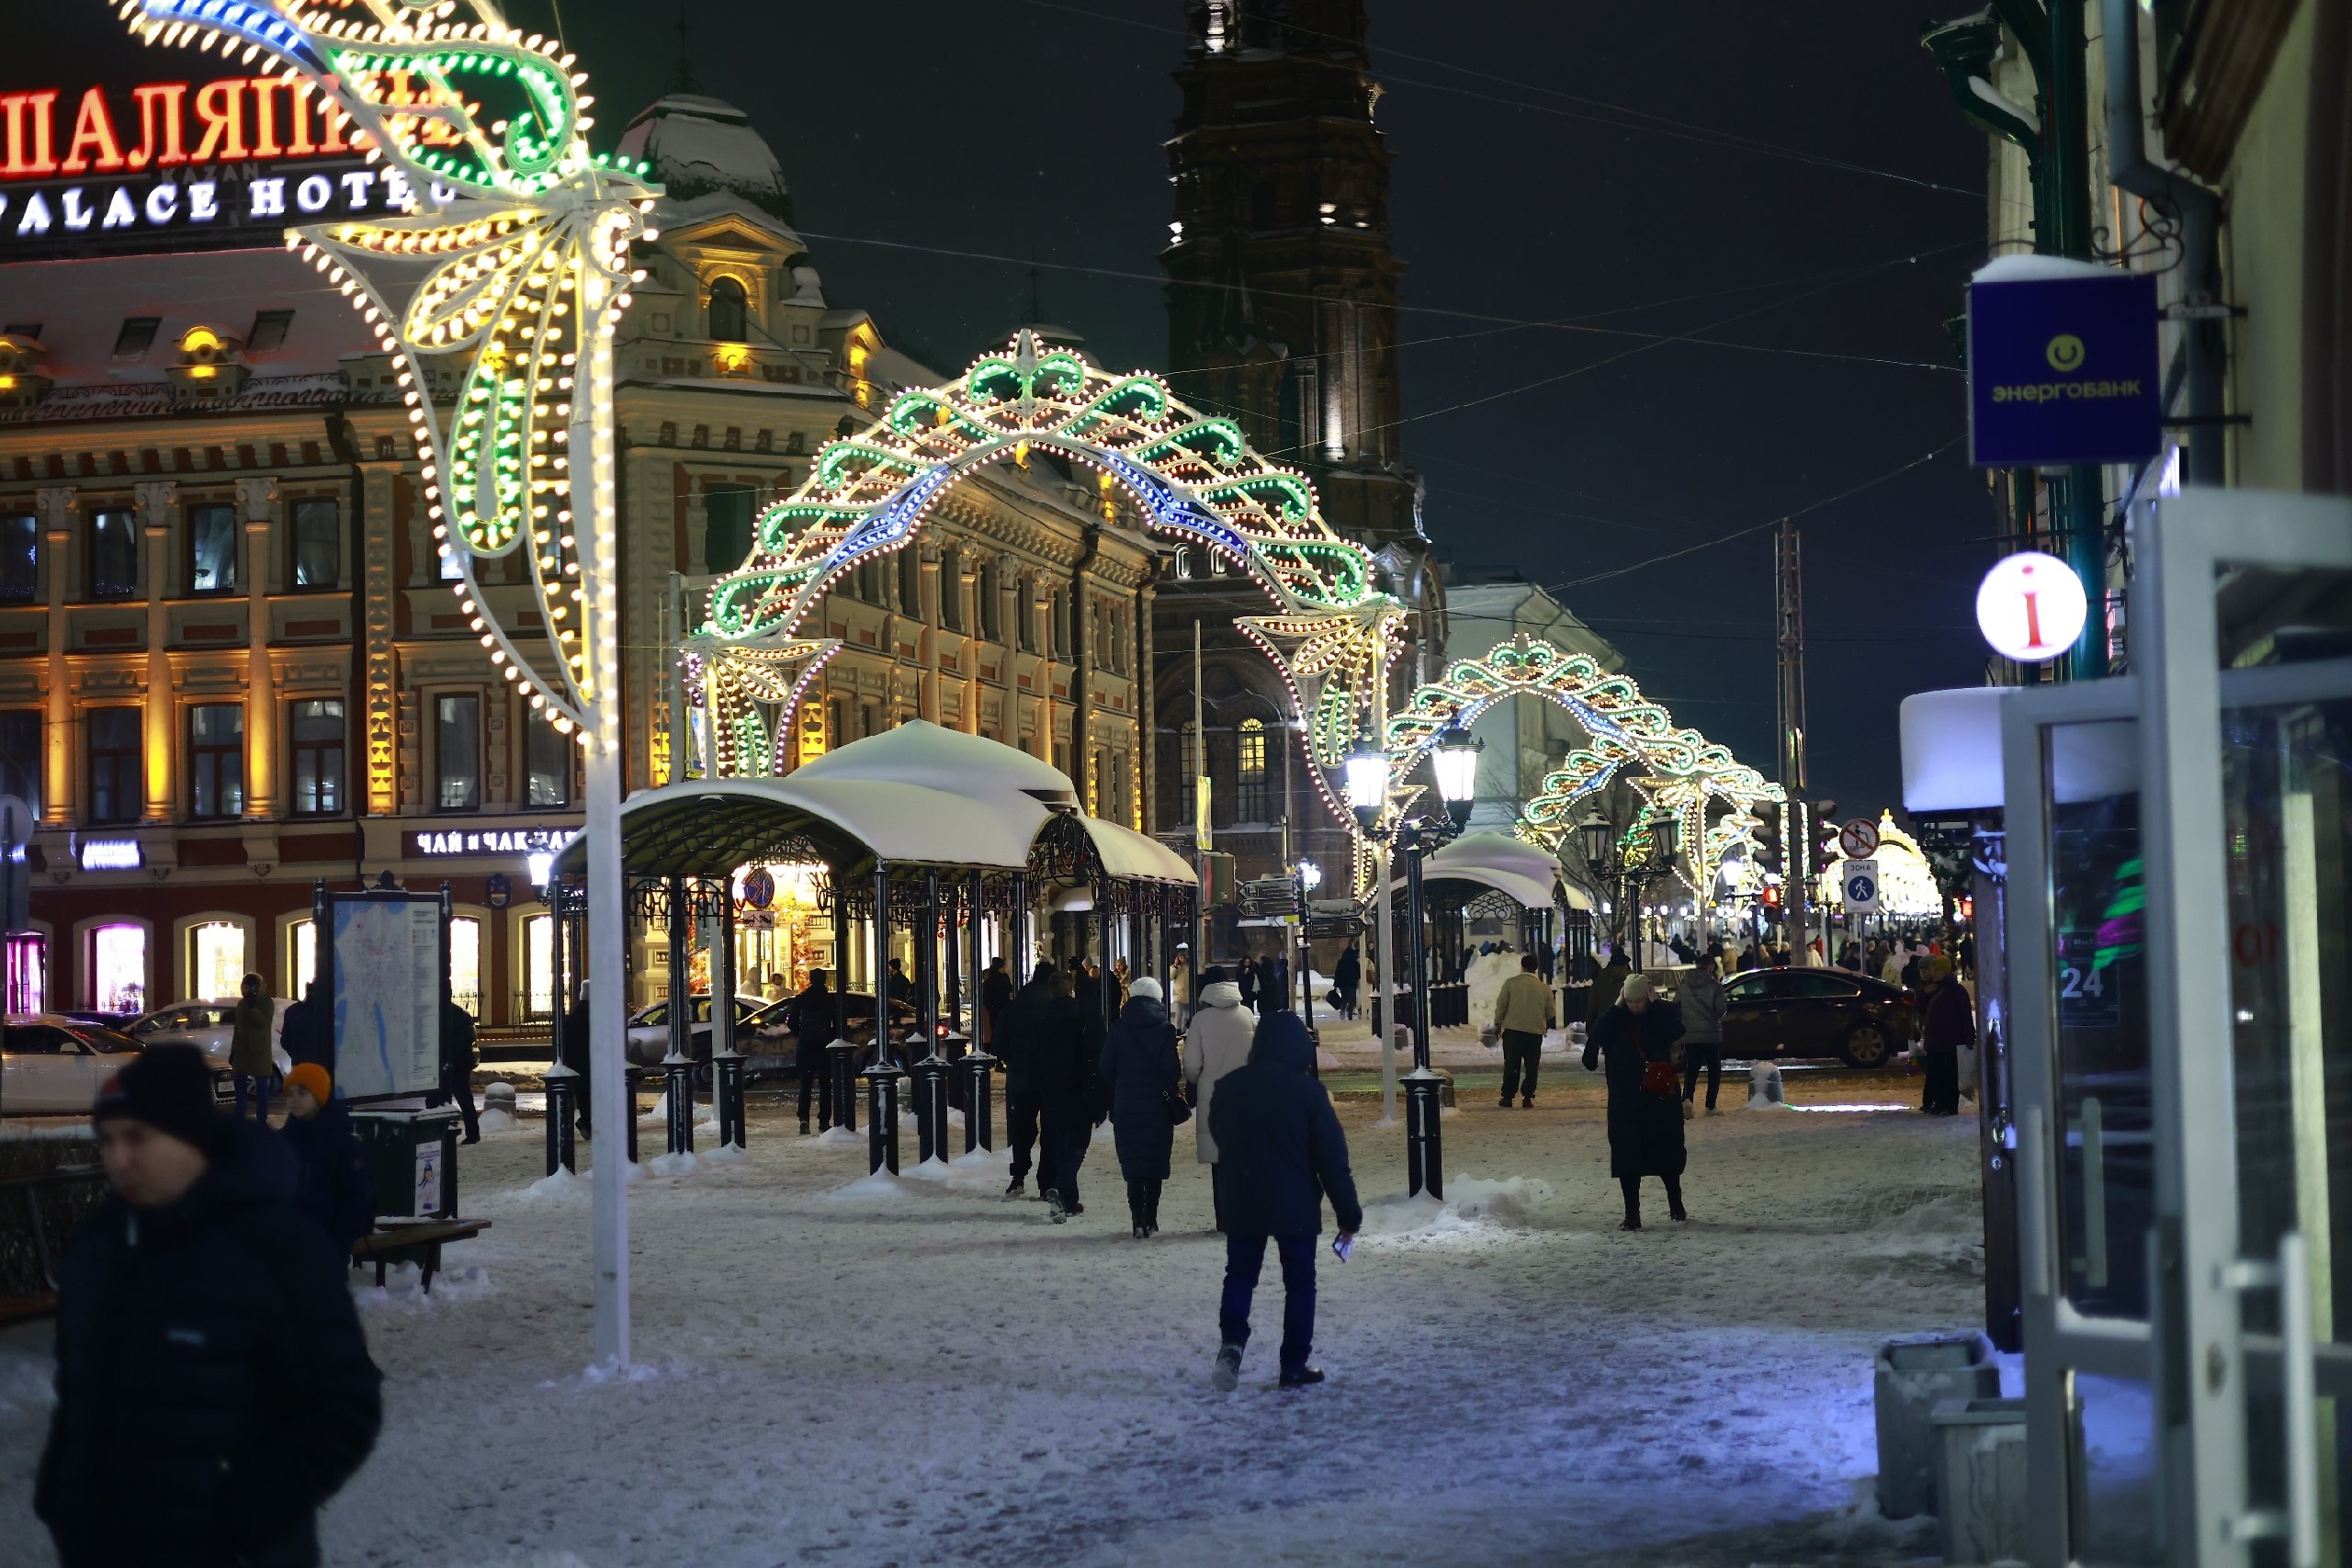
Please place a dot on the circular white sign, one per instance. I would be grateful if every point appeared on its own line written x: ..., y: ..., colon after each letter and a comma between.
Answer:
x: 1859, y: 838
x: 2030, y: 607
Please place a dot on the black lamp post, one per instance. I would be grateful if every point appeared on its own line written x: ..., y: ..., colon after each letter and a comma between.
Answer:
x: 1455, y: 759
x: 1628, y: 875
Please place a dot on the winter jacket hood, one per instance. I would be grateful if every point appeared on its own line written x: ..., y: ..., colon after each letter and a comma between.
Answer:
x: 1282, y: 1041
x: 1144, y: 1012
x: 1138, y: 1069
x: 1216, y: 1044
x: 1279, y: 1148
x: 1223, y: 994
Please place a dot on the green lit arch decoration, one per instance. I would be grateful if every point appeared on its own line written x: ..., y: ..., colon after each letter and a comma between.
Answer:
x: 1679, y: 770
x: 1329, y: 630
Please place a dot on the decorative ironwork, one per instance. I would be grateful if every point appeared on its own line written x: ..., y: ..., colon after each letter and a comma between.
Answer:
x: 649, y: 898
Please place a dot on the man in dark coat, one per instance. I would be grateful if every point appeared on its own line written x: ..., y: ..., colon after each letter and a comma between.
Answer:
x: 1281, y: 1153
x: 1067, y: 1048
x: 1140, y: 1062
x: 457, y: 1062
x: 1028, y: 1018
x: 1607, y: 984
x: 1949, y: 1024
x: 574, y: 1053
x: 815, y: 1019
x: 1273, y: 994
x: 308, y: 1032
x: 996, y: 994
x: 1644, y: 1124
x: 1347, y: 976
x: 213, y: 1386
x: 1248, y: 978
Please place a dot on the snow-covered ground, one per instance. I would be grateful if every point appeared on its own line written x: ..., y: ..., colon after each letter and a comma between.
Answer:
x: 934, y: 1374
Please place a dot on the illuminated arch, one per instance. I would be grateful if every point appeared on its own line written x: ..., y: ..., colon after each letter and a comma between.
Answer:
x: 1679, y: 770
x: 1195, y: 476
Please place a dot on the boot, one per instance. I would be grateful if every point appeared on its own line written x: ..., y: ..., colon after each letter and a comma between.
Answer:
x: 804, y: 1126
x: 1016, y: 1187
x: 1226, y: 1376
x: 1689, y: 1112
x: 1054, y: 1211
x: 1301, y: 1377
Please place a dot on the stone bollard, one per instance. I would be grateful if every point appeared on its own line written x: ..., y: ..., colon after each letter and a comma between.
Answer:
x: 563, y: 1090
x: 678, y: 1100
x: 979, y: 1067
x: 842, y: 1058
x: 727, y: 1096
x: 882, y: 1116
x: 499, y: 1096
x: 1914, y: 1377
x: 931, y: 1107
x: 1764, y: 1087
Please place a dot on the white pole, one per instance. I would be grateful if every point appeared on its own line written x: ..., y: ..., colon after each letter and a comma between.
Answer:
x: 1386, y: 936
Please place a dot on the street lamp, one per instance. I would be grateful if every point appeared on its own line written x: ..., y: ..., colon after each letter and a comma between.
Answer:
x: 1455, y: 759
x: 1367, y: 785
x: 1630, y: 874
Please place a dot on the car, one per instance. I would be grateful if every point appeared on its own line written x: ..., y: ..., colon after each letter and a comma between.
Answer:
x: 649, y: 1029
x: 1817, y: 1012
x: 52, y: 1065
x: 208, y: 1025
x: 766, y: 1037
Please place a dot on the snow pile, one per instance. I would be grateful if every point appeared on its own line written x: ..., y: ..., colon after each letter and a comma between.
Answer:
x: 494, y: 1121
x: 1512, y: 1200
x: 879, y: 1186
x: 841, y: 1137
x: 563, y: 1186
x: 1764, y: 1088
x: 403, y: 1290
x: 1859, y: 1525
x: 682, y: 1162
x: 725, y: 1153
x: 26, y: 1389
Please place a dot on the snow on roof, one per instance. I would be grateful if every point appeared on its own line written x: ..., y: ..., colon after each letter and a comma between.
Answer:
x: 697, y: 145
x: 80, y: 307
x: 2033, y: 268
x: 920, y: 752
x: 707, y: 826
x: 1498, y: 861
x: 710, y: 206
x: 1131, y: 856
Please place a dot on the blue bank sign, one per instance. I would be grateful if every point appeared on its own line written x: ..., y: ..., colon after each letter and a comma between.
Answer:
x: 2062, y: 364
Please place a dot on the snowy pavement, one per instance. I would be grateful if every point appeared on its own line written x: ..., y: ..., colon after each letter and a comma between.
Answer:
x: 938, y: 1375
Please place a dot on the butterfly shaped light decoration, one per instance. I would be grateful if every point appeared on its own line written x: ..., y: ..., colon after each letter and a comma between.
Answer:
x: 510, y: 247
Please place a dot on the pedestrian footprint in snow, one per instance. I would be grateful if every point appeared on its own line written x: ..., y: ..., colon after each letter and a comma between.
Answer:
x: 1281, y: 1153
x: 1636, y: 1038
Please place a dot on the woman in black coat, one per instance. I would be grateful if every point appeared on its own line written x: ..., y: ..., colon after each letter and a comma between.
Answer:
x: 1141, y: 1064
x: 1644, y: 1128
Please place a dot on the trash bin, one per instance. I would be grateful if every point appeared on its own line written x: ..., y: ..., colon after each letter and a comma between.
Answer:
x: 413, y: 1157
x: 1980, y: 1479
x: 1914, y: 1377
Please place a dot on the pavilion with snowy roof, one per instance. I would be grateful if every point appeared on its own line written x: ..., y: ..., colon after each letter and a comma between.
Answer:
x: 1488, y: 876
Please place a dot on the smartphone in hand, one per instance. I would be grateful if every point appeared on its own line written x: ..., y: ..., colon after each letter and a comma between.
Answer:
x: 1341, y: 1244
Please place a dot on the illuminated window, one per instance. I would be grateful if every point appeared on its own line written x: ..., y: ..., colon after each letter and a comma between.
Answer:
x: 27, y: 983
x: 538, y: 965
x: 465, y: 963
x: 549, y: 762
x: 318, y: 543
x: 19, y: 558
x: 114, y: 555
x: 316, y: 731
x: 301, y: 956
x: 1249, y: 803
x: 118, y: 968
x: 456, y: 748
x: 729, y: 318
x: 726, y: 525
x: 211, y: 549
x: 216, y: 760
x: 216, y: 960
x: 115, y: 794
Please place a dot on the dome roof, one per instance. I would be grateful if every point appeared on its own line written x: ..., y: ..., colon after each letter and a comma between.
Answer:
x: 920, y: 752
x: 700, y: 146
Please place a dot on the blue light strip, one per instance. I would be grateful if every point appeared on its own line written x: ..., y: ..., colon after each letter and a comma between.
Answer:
x: 262, y: 25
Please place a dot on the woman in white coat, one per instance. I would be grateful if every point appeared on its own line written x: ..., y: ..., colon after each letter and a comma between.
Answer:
x: 1216, y: 1041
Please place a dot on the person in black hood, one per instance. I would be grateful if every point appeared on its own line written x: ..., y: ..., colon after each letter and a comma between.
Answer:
x: 1281, y: 1153
x: 815, y: 1019
x: 213, y: 1386
x: 1020, y: 1037
x: 1065, y: 1050
x: 1140, y: 1062
x: 307, y: 1034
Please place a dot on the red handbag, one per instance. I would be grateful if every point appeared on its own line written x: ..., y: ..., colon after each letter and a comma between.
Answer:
x: 1659, y: 1078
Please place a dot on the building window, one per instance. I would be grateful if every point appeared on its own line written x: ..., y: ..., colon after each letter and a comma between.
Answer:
x: 452, y: 570
x: 118, y: 968
x: 539, y: 967
x: 20, y: 756
x: 318, y: 543
x: 456, y: 751
x: 730, y: 320
x: 301, y: 955
x: 1249, y: 773
x: 550, y: 762
x: 136, y: 336
x: 465, y: 963
x: 910, y: 583
x: 951, y: 590
x: 268, y: 331
x: 317, y: 731
x: 115, y: 794
x: 869, y: 585
x: 216, y: 759
x: 991, y: 616
x: 211, y: 549
x: 114, y: 555
x: 216, y: 960
x: 19, y: 558
x: 726, y: 525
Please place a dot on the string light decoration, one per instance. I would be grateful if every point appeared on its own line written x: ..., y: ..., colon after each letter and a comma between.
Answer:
x: 1330, y: 632
x: 521, y: 234
x: 1679, y: 771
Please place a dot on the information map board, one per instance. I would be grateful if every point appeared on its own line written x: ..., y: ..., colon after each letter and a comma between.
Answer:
x: 384, y: 982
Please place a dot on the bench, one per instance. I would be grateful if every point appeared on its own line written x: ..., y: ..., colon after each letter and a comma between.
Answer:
x: 419, y: 1242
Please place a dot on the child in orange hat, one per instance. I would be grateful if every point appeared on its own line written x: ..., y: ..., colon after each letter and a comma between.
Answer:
x: 334, y: 1186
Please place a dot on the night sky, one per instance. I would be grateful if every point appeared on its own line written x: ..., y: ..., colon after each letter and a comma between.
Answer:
x: 1579, y: 164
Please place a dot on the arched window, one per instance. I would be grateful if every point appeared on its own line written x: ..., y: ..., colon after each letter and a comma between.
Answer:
x: 1249, y: 803
x: 730, y: 319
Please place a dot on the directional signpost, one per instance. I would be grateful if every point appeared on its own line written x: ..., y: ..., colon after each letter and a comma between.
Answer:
x: 1860, y: 879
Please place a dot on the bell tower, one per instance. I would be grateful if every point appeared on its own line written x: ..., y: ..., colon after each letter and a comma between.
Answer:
x: 1282, y: 289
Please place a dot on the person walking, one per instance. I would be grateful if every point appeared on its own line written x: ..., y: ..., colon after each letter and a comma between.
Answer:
x: 574, y: 1053
x: 1249, y: 983
x: 332, y: 1185
x: 1139, y: 1062
x: 1216, y: 1044
x: 1066, y: 1051
x: 1950, y: 1022
x: 1028, y: 1018
x: 996, y: 994
x: 457, y: 1063
x: 816, y: 1018
x: 1635, y: 1038
x: 1281, y: 1150
x: 1607, y: 985
x: 1346, y: 980
x: 251, y: 1062
x: 213, y: 1386
x: 1522, y: 1014
x: 1700, y: 1000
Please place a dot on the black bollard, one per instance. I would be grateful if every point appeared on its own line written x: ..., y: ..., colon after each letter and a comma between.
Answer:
x: 727, y: 1093
x: 1424, y: 1144
x: 844, y: 1089
x: 631, y: 1077
x: 563, y: 1092
x: 882, y: 1116
x: 678, y: 1083
x: 931, y: 1107
x: 979, y: 1066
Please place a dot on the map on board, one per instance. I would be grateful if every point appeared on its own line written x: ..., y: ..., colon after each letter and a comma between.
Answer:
x: 387, y: 996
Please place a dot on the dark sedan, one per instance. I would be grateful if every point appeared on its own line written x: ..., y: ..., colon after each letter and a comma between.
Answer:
x: 1817, y: 1012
